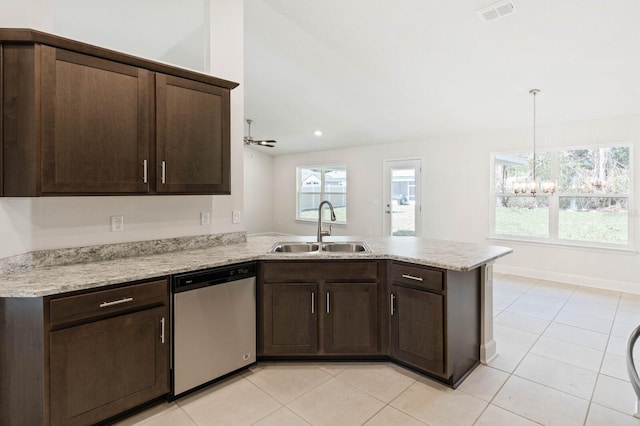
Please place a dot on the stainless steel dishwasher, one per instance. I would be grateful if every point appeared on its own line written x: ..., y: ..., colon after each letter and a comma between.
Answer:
x: 214, y: 324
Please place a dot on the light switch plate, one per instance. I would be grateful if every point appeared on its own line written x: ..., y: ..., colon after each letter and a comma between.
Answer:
x: 117, y: 223
x: 235, y: 216
x: 205, y: 218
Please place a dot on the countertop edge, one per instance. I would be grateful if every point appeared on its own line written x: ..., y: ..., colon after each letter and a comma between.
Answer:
x: 155, y: 268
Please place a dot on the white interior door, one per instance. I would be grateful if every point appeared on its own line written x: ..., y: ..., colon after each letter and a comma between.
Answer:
x: 402, y: 204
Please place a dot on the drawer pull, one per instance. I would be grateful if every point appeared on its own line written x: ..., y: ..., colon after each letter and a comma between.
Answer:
x: 411, y: 277
x: 116, y: 302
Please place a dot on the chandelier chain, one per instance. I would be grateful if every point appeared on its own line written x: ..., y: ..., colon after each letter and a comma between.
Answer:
x: 534, y: 92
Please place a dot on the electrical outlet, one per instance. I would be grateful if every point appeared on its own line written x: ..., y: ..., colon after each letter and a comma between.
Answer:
x: 205, y: 218
x: 235, y: 216
x: 117, y: 223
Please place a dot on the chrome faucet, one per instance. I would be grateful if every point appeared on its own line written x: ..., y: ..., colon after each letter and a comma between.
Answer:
x: 322, y: 233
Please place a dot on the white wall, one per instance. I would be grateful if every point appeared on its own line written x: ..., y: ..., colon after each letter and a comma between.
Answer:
x: 26, y: 14
x: 28, y: 224
x: 258, y: 191
x: 172, y: 31
x: 455, y: 193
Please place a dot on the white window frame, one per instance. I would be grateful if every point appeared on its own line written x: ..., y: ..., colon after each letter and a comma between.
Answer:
x: 322, y: 193
x: 554, y: 204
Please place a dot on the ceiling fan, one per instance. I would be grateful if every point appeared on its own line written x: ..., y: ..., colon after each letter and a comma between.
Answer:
x: 249, y: 140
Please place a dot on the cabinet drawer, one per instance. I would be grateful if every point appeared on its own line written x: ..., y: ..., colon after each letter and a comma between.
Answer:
x: 416, y: 276
x: 104, y: 302
x: 319, y: 271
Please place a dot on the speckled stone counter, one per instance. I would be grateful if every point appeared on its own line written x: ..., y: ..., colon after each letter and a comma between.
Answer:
x: 48, y: 280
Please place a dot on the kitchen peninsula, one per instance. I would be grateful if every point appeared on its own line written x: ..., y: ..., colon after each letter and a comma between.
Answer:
x: 398, y: 275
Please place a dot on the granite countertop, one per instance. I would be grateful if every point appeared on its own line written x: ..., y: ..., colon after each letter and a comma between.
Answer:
x: 50, y: 280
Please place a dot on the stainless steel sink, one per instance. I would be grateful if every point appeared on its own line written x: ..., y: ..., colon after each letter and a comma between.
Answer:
x: 295, y: 247
x: 346, y: 247
x: 337, y: 247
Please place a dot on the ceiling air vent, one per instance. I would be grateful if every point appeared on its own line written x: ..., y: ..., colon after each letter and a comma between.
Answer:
x: 496, y: 10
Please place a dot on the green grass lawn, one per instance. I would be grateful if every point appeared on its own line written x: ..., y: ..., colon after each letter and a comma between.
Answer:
x: 592, y: 225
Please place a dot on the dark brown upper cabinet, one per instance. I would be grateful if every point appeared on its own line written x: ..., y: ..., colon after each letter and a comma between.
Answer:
x: 192, y: 136
x: 82, y: 120
x: 95, y: 124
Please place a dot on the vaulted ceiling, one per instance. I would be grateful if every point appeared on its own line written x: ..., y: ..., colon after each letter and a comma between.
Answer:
x: 375, y: 71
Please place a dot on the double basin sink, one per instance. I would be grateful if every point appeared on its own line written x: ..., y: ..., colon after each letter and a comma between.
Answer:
x: 337, y: 247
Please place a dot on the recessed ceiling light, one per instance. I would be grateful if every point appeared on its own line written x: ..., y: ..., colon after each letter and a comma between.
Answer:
x: 318, y: 133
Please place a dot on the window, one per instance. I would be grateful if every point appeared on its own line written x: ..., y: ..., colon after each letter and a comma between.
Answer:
x: 318, y: 183
x: 591, y: 206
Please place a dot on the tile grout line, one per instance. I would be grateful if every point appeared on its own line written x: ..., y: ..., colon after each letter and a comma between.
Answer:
x: 512, y: 373
x: 595, y: 385
x: 604, y: 352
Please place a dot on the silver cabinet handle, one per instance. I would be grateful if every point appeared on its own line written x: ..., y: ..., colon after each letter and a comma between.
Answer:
x: 162, y: 330
x: 164, y: 172
x: 313, y: 302
x: 411, y: 277
x: 144, y: 171
x: 116, y: 302
x: 328, y: 309
x: 392, y: 302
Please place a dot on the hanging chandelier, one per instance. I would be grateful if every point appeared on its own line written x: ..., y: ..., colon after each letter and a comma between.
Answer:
x: 530, y: 184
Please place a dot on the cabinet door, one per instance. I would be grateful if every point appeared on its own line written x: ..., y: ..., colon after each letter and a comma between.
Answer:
x: 192, y: 137
x: 350, y: 317
x: 105, y: 367
x: 290, y: 319
x: 95, y: 124
x: 417, y: 329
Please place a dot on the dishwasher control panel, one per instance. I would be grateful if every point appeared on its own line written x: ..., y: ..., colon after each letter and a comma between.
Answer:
x: 207, y: 277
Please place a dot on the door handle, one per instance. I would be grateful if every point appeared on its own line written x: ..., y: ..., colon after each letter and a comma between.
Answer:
x: 392, y: 303
x: 162, y: 330
x: 144, y: 171
x: 313, y: 302
x: 164, y: 172
x: 328, y: 309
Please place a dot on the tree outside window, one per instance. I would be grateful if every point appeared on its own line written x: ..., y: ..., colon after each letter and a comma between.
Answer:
x: 590, y: 207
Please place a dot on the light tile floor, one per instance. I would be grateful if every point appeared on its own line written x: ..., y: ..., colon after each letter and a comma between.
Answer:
x: 562, y: 362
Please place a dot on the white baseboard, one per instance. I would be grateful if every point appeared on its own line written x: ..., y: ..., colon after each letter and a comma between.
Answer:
x: 624, y: 286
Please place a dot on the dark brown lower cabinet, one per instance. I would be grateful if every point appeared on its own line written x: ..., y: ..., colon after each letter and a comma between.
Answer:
x: 435, y: 320
x: 290, y: 320
x: 350, y: 318
x: 82, y: 358
x: 332, y: 310
x: 417, y: 328
x: 105, y: 367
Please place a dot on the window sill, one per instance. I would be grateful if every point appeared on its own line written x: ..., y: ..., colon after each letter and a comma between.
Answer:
x: 315, y: 221
x: 628, y: 250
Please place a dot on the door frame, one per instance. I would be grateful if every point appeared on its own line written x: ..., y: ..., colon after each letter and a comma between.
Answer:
x: 386, y: 192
